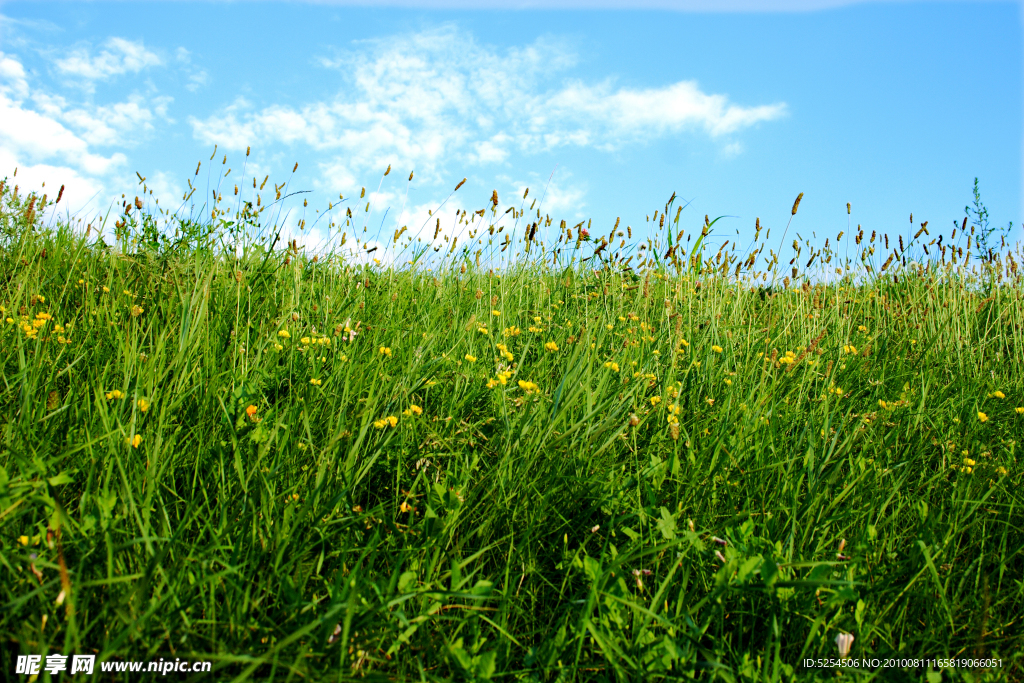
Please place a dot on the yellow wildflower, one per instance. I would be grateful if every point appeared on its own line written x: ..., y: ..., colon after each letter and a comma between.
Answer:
x: 551, y: 346
x: 716, y: 348
x: 143, y: 405
x: 115, y: 394
x: 528, y: 387
x: 470, y: 358
x: 385, y: 351
x: 655, y: 400
x: 969, y: 462
x: 882, y: 404
x: 1020, y: 411
x: 315, y: 382
x: 278, y: 347
x: 284, y: 334
x: 495, y: 313
x: 1001, y: 471
x: 861, y: 328
x: 982, y: 417
x: 135, y: 441
x: 304, y: 340
x: 611, y: 365
x: 998, y: 394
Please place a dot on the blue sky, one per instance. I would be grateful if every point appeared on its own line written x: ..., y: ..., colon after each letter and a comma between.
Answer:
x: 894, y: 107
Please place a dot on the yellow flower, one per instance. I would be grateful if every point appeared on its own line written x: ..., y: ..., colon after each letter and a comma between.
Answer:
x: 495, y: 313
x: 1001, y: 471
x: 415, y: 409
x: 106, y: 290
x: 491, y: 383
x: 143, y: 405
x: 609, y: 327
x: 304, y: 340
x: 982, y: 417
x: 470, y: 358
x: 137, y: 311
x: 728, y: 382
x: 114, y: 394
x: 614, y: 367
x: 716, y: 348
x: 81, y: 282
x: 23, y: 540
x: 405, y: 507
x: 969, y: 462
x: 882, y: 404
x: 284, y: 334
x: 1020, y: 411
x: 512, y: 331
x: 528, y: 387
x: 135, y: 441
x: 861, y: 328
x: 392, y: 420
x: 251, y: 412
x: 533, y: 329
x: 673, y: 420
x: 385, y: 351
x: 482, y: 330
x: 655, y: 400
x: 998, y: 394
x: 551, y: 346
x: 315, y: 382
x: 683, y: 342
x: 278, y: 347
x: 503, y: 377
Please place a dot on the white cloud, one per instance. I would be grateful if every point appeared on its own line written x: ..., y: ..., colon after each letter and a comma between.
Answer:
x: 52, y: 140
x: 424, y: 100
x: 196, y: 80
x: 13, y: 83
x: 120, y: 56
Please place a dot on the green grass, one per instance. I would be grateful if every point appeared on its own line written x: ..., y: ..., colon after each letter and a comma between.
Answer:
x: 708, y: 509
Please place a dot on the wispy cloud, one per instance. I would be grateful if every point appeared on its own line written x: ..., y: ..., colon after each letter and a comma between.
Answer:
x: 436, y: 97
x: 119, y: 56
x: 49, y: 138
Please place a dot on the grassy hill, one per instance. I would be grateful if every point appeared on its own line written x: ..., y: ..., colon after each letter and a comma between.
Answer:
x: 307, y: 467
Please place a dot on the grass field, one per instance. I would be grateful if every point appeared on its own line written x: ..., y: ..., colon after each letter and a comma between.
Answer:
x: 305, y: 468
